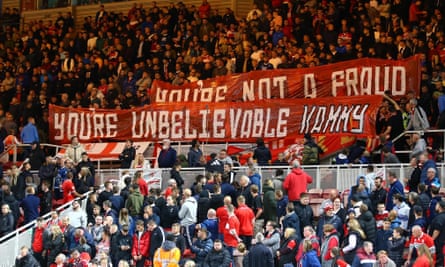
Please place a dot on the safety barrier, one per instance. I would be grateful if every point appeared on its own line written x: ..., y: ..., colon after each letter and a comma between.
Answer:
x: 12, y: 242
x: 341, y: 177
x: 324, y: 176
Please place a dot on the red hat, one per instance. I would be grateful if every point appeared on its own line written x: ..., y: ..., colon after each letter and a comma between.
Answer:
x: 328, y: 208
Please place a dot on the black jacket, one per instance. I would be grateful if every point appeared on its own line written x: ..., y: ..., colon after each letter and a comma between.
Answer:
x: 169, y: 216
x: 87, y: 164
x: 367, y: 222
x: 203, y: 205
x: 262, y: 155
x: 46, y: 202
x: 377, y: 197
x: 27, y: 261
x: 156, y: 240
x: 123, y: 240
x: 55, y: 246
x: 6, y: 223
x: 126, y: 157
x: 36, y: 158
x: 177, y: 176
x: 218, y: 258
x: 395, y: 250
x: 46, y: 172
x: 288, y: 249
x: 305, y: 214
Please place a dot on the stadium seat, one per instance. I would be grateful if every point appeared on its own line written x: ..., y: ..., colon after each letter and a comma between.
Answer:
x: 315, y: 192
x: 314, y: 200
x: 327, y: 192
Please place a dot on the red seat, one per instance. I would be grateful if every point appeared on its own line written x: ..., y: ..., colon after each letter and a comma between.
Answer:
x: 326, y: 192
x: 316, y: 200
x: 315, y: 192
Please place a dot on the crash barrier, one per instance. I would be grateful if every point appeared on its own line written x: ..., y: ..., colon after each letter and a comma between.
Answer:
x: 341, y: 177
x: 12, y: 242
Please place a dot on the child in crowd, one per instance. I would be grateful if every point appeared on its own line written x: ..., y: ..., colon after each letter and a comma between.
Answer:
x: 381, y: 215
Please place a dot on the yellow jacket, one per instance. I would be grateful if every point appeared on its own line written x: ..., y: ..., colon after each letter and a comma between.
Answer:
x: 167, y: 258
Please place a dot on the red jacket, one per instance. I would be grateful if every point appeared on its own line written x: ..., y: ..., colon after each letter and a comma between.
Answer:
x: 141, y: 246
x: 245, y: 216
x: 223, y: 216
x: 296, y: 183
x: 143, y: 187
x: 37, y: 241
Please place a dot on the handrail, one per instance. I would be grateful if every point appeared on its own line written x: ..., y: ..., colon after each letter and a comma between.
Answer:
x: 421, y: 132
x: 46, y: 216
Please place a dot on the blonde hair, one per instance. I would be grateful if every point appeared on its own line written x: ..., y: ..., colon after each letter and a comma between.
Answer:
x: 289, y: 232
x: 56, y: 231
x: 307, y: 245
x: 354, y: 225
x: 424, y: 250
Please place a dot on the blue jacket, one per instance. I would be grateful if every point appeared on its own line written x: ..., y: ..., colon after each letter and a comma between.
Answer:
x: 201, y: 248
x: 381, y: 242
x: 396, y: 188
x: 428, y: 164
x: 194, y: 157
x: 256, y: 179
x: 212, y: 227
x: 117, y: 202
x: 310, y: 259
x: 291, y: 220
x: 30, y: 205
x: 167, y: 158
x: 260, y: 255
x: 281, y: 206
x: 29, y: 134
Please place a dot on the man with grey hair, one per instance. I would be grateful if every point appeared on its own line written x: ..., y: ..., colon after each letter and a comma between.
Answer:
x: 296, y: 182
x: 418, y: 119
x: 167, y: 156
x: 418, y: 145
x: 260, y: 255
x: 60, y: 259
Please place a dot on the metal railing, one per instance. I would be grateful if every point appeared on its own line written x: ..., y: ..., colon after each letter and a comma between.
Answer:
x: 12, y: 242
x: 341, y: 177
x: 324, y: 176
x: 422, y: 132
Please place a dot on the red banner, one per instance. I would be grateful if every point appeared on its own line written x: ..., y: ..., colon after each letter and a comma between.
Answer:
x: 219, y: 122
x: 350, y: 78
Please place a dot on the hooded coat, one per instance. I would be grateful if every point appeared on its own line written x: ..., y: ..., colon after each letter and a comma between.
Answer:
x: 296, y: 183
x: 168, y: 255
x: 368, y: 224
x: 269, y: 204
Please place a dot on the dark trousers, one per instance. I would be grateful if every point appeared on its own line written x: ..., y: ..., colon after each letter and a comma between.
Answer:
x: 247, y: 240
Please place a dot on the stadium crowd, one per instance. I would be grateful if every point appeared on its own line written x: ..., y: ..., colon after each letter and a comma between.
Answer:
x: 221, y: 220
